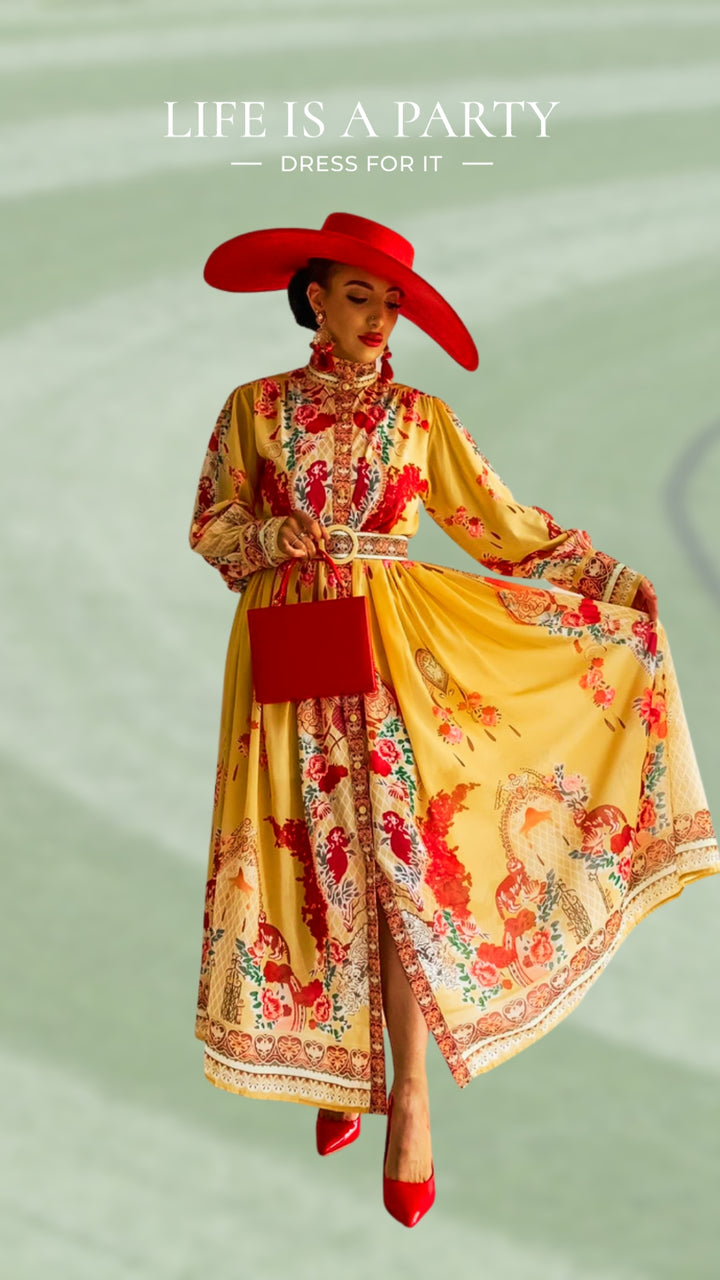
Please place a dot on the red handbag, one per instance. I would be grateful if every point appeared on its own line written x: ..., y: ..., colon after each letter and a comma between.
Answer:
x: 314, y: 649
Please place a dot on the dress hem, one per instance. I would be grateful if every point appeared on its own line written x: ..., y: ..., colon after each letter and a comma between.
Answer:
x: 697, y: 861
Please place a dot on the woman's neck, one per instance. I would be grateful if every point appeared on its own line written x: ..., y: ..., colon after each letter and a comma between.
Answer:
x: 352, y: 371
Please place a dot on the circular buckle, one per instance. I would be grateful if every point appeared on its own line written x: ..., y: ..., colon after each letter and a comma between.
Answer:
x: 344, y: 531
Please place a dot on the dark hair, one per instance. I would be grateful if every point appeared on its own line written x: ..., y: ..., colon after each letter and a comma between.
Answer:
x: 318, y: 269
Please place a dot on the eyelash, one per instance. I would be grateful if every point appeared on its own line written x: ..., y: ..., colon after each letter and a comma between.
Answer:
x: 394, y: 306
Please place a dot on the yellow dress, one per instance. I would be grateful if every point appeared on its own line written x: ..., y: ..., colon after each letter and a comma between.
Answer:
x: 518, y: 793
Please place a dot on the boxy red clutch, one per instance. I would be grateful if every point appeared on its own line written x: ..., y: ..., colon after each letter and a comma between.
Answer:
x: 314, y: 649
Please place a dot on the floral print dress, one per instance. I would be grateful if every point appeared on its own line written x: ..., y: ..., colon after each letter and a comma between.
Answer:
x: 519, y: 791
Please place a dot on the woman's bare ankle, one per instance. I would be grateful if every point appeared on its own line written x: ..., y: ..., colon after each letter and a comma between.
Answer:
x: 410, y: 1086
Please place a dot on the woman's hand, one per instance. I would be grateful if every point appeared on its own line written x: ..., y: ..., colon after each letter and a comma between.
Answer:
x: 646, y: 599
x: 300, y: 535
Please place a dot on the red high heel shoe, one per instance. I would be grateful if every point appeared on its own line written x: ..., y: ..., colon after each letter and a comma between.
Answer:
x: 332, y: 1133
x: 406, y: 1201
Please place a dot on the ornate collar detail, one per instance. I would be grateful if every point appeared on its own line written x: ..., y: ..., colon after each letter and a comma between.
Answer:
x: 357, y: 373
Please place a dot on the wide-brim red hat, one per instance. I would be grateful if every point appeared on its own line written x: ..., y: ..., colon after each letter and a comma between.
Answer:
x: 267, y: 259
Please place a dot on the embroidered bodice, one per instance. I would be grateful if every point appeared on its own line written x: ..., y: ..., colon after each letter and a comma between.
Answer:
x: 349, y: 446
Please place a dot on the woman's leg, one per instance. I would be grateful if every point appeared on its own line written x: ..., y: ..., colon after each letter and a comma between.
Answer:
x: 409, y: 1150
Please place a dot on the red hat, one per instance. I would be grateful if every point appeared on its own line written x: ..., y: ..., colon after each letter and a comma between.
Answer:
x: 267, y: 259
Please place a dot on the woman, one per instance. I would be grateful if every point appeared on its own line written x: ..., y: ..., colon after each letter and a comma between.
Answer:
x: 463, y: 850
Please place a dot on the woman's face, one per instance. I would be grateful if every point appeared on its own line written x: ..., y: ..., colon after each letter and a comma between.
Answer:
x: 356, y: 305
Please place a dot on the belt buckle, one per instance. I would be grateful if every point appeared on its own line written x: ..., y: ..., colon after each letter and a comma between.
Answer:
x: 347, y: 532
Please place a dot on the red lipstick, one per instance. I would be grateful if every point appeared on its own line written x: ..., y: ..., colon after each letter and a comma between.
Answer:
x: 371, y: 339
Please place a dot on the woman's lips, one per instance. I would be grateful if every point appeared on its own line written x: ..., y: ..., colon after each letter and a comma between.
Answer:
x: 371, y: 339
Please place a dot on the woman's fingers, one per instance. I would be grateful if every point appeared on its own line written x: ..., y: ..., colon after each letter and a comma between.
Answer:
x: 311, y: 531
x: 290, y: 540
x: 300, y: 535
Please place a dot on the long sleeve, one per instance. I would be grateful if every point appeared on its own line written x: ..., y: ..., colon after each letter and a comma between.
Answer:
x: 467, y: 499
x: 225, y: 529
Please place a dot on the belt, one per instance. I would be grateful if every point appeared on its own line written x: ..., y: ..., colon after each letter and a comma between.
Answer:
x: 345, y: 544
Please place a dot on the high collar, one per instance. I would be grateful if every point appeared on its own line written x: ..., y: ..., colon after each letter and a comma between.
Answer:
x: 354, y: 373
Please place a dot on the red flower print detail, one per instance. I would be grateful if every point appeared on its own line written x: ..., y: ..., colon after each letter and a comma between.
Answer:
x: 327, y: 776
x: 624, y: 868
x: 590, y: 679
x: 446, y: 876
x: 274, y: 487
x: 450, y: 732
x: 603, y: 697
x: 310, y: 418
x: 378, y: 765
x: 466, y: 927
x: 489, y: 715
x: 400, y: 488
x: 572, y: 782
x: 368, y: 421
x: 589, y: 612
x: 275, y: 972
x: 264, y: 409
x: 309, y: 994
x: 213, y: 441
x: 484, y: 973
x: 440, y: 925
x: 205, y: 498
x: 646, y: 632
x: 331, y: 777
x: 409, y: 397
x: 385, y: 755
x: 265, y: 406
x: 498, y: 957
x: 338, y: 952
x: 271, y: 1006
x: 648, y: 813
x: 571, y: 618
x: 322, y: 1007
x: 238, y: 477
x: 652, y: 711
x: 269, y: 389
x: 541, y: 948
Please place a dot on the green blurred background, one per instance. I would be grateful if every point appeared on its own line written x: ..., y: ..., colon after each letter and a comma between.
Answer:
x: 586, y: 265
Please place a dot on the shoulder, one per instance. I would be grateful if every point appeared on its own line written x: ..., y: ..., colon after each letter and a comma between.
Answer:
x: 419, y: 403
x: 413, y: 394
x: 267, y: 387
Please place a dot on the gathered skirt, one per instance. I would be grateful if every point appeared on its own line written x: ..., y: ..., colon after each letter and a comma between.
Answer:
x: 520, y: 791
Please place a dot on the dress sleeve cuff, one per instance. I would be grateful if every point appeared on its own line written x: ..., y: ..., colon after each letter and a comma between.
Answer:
x: 622, y: 586
x: 603, y: 578
x: 267, y: 537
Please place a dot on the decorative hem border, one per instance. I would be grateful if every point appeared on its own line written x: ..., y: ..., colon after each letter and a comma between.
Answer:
x: 699, y: 859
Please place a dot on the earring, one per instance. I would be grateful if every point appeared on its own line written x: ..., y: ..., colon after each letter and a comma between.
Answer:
x: 322, y: 345
x: 386, y: 370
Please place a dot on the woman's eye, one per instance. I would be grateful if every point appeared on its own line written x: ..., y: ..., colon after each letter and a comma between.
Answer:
x: 394, y: 306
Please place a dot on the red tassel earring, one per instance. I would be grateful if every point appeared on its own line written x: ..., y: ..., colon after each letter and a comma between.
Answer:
x: 386, y: 370
x: 322, y: 345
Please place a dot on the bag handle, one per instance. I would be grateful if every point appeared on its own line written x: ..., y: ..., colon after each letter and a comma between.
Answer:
x: 280, y: 597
